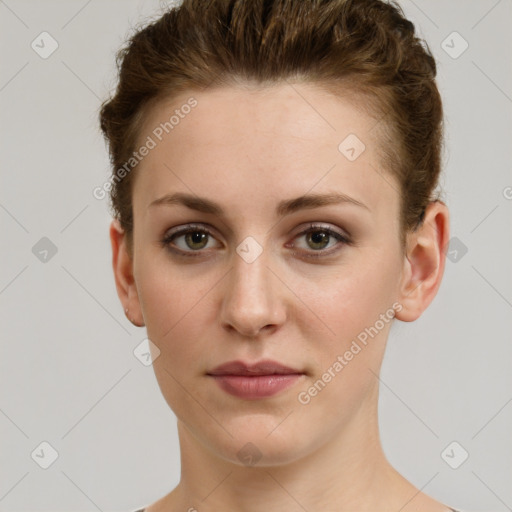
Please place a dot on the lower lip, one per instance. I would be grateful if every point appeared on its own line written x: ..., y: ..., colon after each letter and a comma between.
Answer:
x: 255, y: 387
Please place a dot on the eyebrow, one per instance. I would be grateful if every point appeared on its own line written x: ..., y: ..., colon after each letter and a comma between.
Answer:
x: 285, y: 207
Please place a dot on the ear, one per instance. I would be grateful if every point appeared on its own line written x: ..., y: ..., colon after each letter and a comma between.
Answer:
x: 424, y: 262
x: 122, y: 263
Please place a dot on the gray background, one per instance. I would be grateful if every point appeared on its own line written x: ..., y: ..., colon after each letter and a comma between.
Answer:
x: 68, y: 373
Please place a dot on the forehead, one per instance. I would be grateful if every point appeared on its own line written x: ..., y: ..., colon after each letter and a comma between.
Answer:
x: 255, y: 142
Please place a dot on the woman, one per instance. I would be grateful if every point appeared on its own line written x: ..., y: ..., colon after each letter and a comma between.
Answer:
x: 274, y: 174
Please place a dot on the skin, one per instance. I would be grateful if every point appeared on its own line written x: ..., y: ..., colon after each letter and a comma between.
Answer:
x: 247, y: 149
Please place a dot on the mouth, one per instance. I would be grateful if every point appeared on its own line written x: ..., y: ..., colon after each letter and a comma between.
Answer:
x: 254, y: 381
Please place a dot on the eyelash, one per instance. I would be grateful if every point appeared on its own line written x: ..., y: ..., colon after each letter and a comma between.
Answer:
x: 195, y: 228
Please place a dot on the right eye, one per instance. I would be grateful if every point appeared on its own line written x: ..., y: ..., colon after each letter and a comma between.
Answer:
x: 189, y: 239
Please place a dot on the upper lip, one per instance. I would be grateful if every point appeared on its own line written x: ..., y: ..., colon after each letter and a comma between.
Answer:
x: 266, y: 367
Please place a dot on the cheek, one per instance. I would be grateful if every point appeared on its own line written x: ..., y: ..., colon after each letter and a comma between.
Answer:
x: 171, y: 302
x: 176, y: 321
x: 357, y: 310
x: 355, y: 299
x: 354, y: 305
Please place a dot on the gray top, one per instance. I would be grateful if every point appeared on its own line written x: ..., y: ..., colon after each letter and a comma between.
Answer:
x: 142, y: 510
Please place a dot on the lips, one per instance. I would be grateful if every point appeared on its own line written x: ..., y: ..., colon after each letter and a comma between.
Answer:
x: 254, y: 381
x: 266, y: 367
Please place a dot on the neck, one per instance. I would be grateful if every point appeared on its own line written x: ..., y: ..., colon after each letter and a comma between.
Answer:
x: 348, y: 472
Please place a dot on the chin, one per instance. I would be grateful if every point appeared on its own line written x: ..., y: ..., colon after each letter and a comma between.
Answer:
x: 257, y: 443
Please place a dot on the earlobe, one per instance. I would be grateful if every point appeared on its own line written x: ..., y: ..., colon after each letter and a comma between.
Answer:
x: 424, y: 262
x: 122, y: 264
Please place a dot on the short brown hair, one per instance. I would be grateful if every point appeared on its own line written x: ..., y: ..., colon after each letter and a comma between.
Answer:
x: 364, y: 46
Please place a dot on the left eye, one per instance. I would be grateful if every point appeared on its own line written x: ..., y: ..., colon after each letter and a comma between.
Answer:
x: 191, y: 240
x: 319, y: 238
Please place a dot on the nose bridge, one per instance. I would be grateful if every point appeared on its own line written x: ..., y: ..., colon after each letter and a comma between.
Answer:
x: 251, y: 301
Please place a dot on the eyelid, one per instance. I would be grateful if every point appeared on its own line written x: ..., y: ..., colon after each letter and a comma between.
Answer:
x: 184, y: 228
x: 319, y: 226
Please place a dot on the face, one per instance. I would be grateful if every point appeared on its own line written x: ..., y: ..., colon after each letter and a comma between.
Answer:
x: 242, y: 267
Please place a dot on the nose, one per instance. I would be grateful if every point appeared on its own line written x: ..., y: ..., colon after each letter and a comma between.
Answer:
x: 252, y: 303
